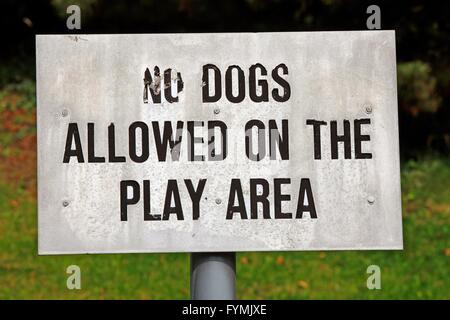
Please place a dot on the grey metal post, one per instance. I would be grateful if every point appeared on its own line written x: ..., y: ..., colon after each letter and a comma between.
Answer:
x: 213, y: 276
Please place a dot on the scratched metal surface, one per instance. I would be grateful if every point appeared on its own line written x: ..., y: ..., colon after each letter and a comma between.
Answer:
x: 333, y: 76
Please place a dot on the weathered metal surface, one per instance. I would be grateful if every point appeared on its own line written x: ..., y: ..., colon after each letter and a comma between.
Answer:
x: 332, y: 76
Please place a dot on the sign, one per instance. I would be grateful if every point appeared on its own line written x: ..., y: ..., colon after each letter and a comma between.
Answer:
x: 218, y: 142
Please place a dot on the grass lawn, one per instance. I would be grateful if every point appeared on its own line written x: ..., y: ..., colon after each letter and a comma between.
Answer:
x: 420, y: 271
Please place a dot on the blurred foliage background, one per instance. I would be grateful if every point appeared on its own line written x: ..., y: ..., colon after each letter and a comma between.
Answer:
x: 423, y: 38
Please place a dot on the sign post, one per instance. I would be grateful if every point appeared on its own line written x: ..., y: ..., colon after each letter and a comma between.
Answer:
x: 213, y: 143
x: 213, y: 276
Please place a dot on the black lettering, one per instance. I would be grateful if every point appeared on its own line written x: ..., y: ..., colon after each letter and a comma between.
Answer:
x: 229, y: 85
x: 345, y: 138
x: 212, y: 155
x: 196, y: 195
x: 167, y: 139
x: 279, y: 198
x: 172, y: 192
x: 359, y: 138
x: 305, y: 190
x: 264, y: 96
x: 112, y: 146
x: 132, y: 141
x: 280, y: 140
x: 168, y: 85
x: 124, y: 200
x: 147, y: 209
x: 217, y: 84
x: 91, y: 146
x: 154, y: 85
x: 282, y: 82
x: 249, y: 140
x: 192, y: 140
x: 73, y: 136
x: 256, y: 198
x: 236, y: 190
x: 316, y: 132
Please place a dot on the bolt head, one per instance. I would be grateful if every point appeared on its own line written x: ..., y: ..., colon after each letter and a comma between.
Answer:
x: 368, y: 109
x: 218, y: 201
x: 371, y: 199
x: 65, y: 203
x: 65, y: 113
x: 216, y: 111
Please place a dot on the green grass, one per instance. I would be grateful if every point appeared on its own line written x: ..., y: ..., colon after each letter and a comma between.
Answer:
x: 419, y: 271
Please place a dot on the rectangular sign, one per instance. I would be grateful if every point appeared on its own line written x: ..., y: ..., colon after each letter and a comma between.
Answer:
x: 218, y: 142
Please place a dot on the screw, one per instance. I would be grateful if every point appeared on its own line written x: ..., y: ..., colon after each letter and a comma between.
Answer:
x: 370, y: 199
x: 368, y: 109
x: 65, y: 203
x: 218, y: 201
x: 65, y: 113
x: 216, y: 111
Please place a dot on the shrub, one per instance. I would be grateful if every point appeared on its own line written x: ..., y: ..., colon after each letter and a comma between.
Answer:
x: 417, y: 88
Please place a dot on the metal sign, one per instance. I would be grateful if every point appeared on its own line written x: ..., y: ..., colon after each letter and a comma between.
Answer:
x: 218, y: 142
